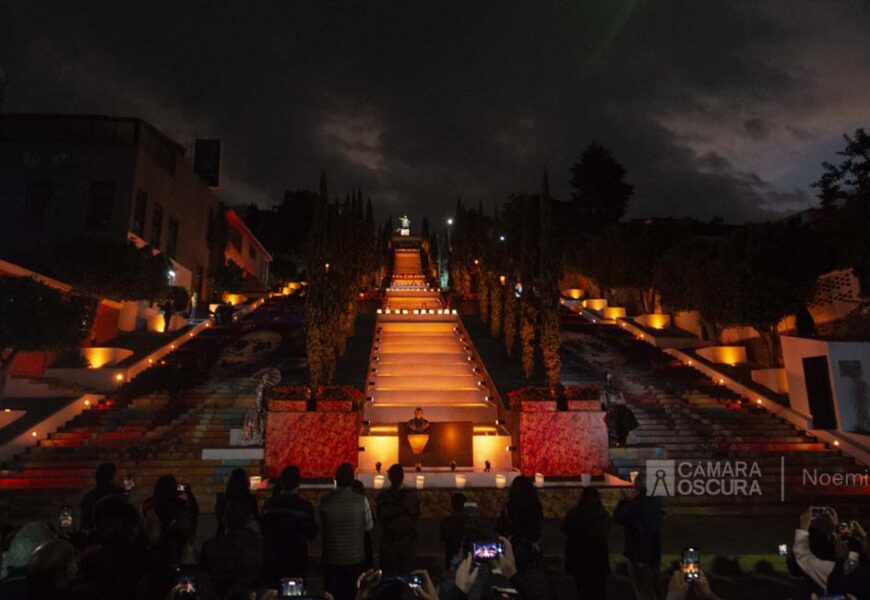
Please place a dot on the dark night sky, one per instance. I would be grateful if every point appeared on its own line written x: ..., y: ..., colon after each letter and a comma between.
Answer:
x: 715, y: 108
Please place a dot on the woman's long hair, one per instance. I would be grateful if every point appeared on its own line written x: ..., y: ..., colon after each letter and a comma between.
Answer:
x: 238, y: 485
x: 523, y: 494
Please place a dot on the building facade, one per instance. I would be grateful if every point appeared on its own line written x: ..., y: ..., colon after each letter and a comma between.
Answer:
x: 244, y: 249
x: 73, y: 176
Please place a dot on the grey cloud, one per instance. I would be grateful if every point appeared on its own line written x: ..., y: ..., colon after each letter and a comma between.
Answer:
x: 418, y: 104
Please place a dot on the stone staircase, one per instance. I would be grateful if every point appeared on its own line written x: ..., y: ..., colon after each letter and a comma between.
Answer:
x: 146, y: 436
x: 142, y: 443
x: 686, y: 417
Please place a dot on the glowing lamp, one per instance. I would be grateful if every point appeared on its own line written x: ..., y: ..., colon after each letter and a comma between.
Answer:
x: 379, y: 482
x: 633, y: 476
x: 33, y: 433
x: 418, y: 442
x: 836, y: 442
x: 460, y: 481
x: 119, y: 377
x: 87, y: 403
x: 421, y: 481
x: 500, y: 481
x: 539, y: 480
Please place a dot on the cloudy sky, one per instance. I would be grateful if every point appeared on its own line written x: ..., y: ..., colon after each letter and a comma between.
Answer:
x: 715, y: 108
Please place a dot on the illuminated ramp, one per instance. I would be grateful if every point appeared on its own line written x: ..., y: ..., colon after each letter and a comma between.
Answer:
x: 422, y: 356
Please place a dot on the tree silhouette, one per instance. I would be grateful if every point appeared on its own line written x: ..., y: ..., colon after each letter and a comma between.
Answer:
x: 850, y: 178
x: 600, y: 195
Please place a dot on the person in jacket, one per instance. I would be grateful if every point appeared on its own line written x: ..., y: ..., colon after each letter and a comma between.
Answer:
x: 641, y: 516
x: 106, y: 487
x: 587, y: 556
x: 398, y: 510
x: 344, y: 518
x: 288, y: 524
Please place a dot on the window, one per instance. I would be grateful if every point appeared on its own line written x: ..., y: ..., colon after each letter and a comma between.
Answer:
x: 172, y: 242
x: 36, y: 200
x: 140, y: 209
x: 100, y: 204
x: 156, y: 226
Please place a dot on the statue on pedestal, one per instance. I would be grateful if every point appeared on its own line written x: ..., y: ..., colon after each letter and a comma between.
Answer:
x: 406, y: 225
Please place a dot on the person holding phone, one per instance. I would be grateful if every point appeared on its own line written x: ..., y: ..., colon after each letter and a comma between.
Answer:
x: 679, y: 588
x: 843, y: 571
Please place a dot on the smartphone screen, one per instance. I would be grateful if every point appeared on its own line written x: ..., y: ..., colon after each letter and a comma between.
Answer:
x: 818, y: 512
x: 292, y: 587
x: 691, y: 564
x: 65, y: 520
x: 185, y: 583
x: 487, y: 551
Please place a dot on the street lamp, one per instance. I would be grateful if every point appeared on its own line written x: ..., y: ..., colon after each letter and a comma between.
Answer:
x: 450, y: 221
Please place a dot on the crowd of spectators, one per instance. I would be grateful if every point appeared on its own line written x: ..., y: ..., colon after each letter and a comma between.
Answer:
x: 262, y: 552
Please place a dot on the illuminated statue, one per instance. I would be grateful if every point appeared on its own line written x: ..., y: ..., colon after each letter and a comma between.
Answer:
x: 254, y: 427
x: 406, y: 225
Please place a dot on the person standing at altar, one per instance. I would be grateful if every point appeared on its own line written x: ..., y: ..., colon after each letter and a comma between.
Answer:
x: 398, y: 512
x: 418, y: 424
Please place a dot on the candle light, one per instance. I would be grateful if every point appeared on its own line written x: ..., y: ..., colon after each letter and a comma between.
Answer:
x: 460, y: 481
x: 539, y: 480
x: 421, y: 481
x: 500, y: 481
x: 379, y: 482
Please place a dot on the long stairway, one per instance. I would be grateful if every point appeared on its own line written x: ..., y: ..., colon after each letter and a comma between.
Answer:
x: 146, y: 436
x: 422, y: 356
x: 687, y: 417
